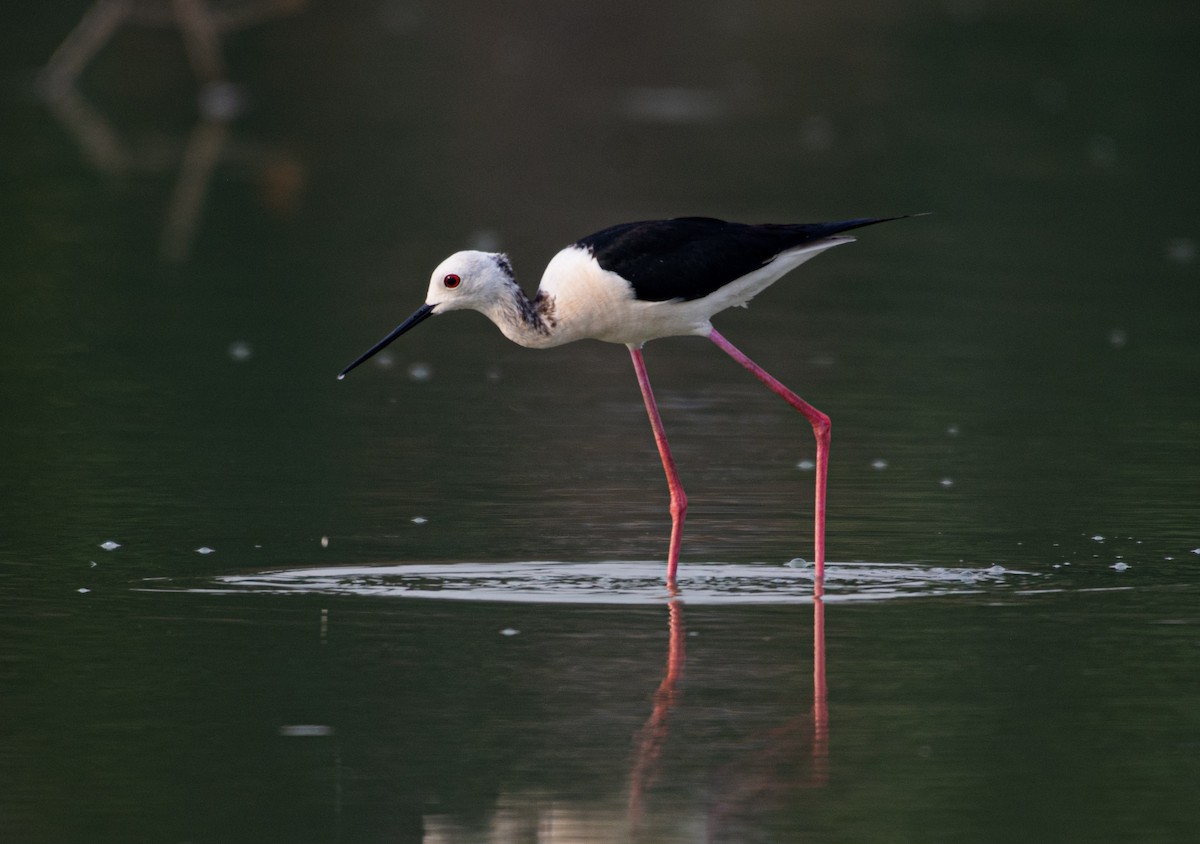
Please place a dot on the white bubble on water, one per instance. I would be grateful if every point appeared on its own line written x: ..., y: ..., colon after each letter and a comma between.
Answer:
x: 240, y: 351
x: 806, y: 465
x: 420, y: 372
x: 1097, y: 538
x: 947, y: 482
x: 83, y: 590
x: 1119, y: 566
x: 419, y: 520
x: 110, y: 545
x: 305, y: 730
x: 1181, y: 250
x: 485, y: 240
x: 878, y: 464
x: 509, y: 631
x: 204, y: 549
x: 817, y: 133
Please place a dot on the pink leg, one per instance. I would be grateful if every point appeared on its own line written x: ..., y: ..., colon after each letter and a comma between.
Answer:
x: 820, y: 425
x: 678, y: 498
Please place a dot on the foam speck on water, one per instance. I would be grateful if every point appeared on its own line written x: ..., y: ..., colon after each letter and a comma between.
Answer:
x: 240, y: 351
x: 1181, y: 250
x: 305, y: 730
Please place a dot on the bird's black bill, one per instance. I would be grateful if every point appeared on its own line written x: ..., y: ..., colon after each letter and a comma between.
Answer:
x: 423, y: 312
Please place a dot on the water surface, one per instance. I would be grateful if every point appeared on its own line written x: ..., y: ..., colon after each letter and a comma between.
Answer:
x: 1009, y: 648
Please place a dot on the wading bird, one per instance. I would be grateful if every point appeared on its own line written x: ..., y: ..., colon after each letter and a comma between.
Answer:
x: 636, y: 282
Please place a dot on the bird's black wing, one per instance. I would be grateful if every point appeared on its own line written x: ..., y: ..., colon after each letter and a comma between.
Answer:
x: 691, y: 257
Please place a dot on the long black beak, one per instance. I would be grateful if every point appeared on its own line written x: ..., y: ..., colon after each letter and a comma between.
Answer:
x: 423, y: 313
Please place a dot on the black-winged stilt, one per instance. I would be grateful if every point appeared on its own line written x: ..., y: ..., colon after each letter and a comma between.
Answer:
x: 636, y: 282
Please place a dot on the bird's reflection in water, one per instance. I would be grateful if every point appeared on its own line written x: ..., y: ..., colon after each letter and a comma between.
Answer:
x: 794, y: 756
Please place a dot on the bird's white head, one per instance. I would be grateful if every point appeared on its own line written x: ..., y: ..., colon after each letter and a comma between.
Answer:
x: 470, y: 280
x: 480, y: 281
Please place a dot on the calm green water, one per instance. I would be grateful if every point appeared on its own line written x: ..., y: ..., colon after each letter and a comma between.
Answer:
x: 1013, y: 383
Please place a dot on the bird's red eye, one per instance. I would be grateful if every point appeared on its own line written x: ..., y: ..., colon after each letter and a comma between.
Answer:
x: 452, y: 281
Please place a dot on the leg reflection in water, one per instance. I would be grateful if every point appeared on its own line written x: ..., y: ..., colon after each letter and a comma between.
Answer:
x: 795, y: 755
x: 654, y: 732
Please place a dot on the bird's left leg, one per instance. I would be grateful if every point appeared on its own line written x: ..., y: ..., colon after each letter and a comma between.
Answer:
x: 678, y: 498
x: 820, y: 425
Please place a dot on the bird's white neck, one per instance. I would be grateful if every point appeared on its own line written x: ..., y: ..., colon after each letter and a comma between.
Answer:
x: 528, y: 322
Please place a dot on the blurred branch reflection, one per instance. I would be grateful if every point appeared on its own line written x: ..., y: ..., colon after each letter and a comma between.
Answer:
x: 201, y: 24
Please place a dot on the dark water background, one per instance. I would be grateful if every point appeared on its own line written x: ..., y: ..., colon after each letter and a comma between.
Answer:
x: 186, y: 266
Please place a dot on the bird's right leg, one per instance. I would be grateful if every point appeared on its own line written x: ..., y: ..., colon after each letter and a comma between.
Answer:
x: 820, y: 426
x: 678, y: 498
